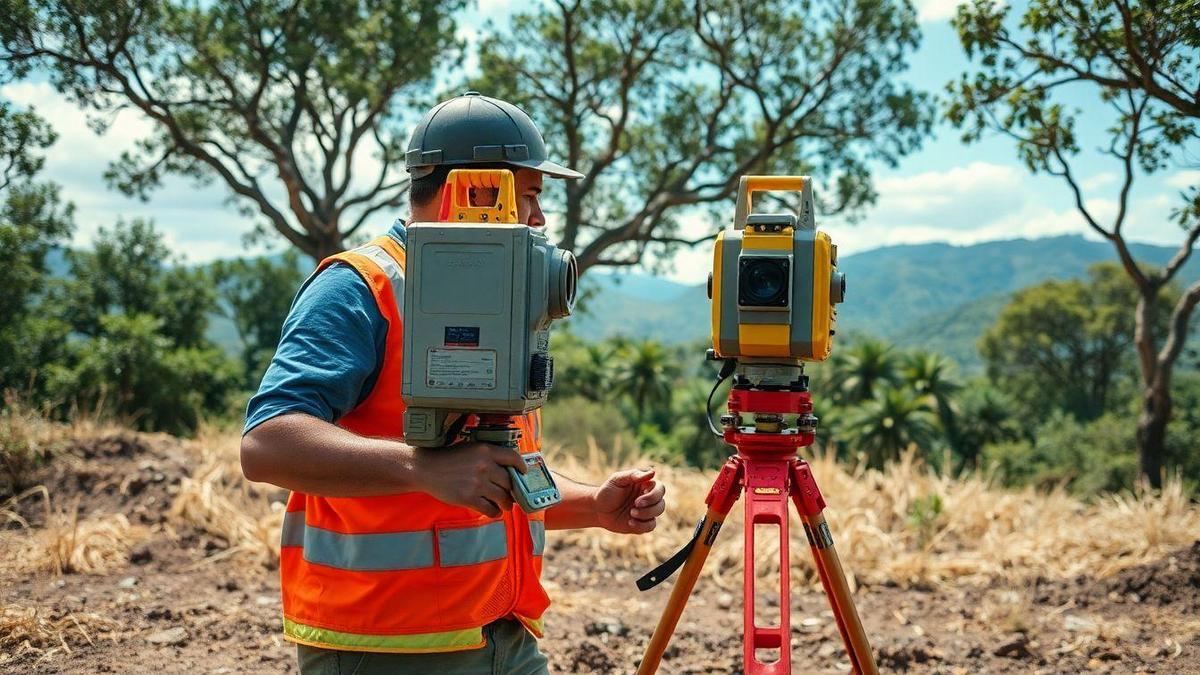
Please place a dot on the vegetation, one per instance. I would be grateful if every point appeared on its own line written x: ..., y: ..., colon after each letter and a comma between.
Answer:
x: 1140, y: 58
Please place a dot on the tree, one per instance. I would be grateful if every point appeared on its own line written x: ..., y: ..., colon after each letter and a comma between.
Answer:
x: 986, y: 417
x: 889, y: 423
x: 141, y: 319
x: 664, y: 105
x: 33, y: 222
x: 930, y: 374
x: 1065, y: 344
x: 256, y: 294
x: 281, y: 102
x: 1142, y: 59
x: 647, y: 376
x: 861, y: 369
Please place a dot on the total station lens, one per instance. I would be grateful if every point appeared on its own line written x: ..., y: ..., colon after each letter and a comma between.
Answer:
x: 763, y: 281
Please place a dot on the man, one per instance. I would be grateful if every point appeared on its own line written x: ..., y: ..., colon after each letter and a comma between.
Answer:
x: 395, y: 558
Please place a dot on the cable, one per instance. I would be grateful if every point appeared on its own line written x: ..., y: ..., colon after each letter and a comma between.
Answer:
x: 726, y: 371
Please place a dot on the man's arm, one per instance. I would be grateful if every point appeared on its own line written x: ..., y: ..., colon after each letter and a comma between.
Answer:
x: 306, y: 454
x: 629, y: 502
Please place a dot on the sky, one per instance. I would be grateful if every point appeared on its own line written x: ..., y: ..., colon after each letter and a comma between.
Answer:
x: 946, y: 192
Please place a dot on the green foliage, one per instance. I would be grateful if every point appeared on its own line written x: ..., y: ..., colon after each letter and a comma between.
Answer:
x: 924, y: 515
x: 33, y: 222
x: 278, y: 101
x: 764, y: 87
x: 573, y: 422
x: 862, y: 369
x: 1066, y: 344
x: 137, y: 320
x: 257, y: 294
x: 1085, y: 457
x: 134, y: 369
x: 894, y: 419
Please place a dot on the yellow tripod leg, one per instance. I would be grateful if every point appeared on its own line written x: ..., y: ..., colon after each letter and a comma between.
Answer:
x: 833, y: 578
x: 681, y: 591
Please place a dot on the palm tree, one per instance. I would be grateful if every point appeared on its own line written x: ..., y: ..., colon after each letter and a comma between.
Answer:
x: 593, y: 372
x: 647, y: 378
x: 886, y: 425
x: 987, y: 416
x: 863, y: 368
x: 930, y: 374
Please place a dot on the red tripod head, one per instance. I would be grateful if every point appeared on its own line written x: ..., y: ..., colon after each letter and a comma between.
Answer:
x: 786, y: 441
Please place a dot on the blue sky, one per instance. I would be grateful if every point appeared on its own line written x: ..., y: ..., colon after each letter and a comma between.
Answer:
x: 945, y: 192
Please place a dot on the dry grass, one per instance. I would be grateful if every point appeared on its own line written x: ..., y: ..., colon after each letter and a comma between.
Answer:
x: 216, y: 499
x: 31, y: 630
x: 980, y: 534
x: 95, y: 545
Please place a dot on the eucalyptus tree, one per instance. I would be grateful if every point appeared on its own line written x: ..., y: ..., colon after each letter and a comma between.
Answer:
x: 1142, y: 59
x: 296, y: 107
x: 663, y: 104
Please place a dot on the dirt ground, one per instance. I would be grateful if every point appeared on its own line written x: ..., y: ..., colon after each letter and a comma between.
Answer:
x: 180, y: 600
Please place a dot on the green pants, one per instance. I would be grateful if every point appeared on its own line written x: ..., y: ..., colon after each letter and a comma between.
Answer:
x: 510, y: 650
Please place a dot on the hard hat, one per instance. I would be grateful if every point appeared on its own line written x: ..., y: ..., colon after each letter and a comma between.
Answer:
x: 477, y: 129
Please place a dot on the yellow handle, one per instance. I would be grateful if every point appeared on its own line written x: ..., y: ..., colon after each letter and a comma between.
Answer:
x: 748, y: 185
x: 456, y: 203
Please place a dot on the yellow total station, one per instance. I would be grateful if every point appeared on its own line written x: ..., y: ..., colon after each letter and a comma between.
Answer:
x: 774, y: 284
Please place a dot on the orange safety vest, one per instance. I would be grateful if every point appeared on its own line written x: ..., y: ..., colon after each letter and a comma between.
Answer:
x: 405, y: 572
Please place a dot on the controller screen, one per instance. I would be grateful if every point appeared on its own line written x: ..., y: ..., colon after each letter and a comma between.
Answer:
x: 537, y: 480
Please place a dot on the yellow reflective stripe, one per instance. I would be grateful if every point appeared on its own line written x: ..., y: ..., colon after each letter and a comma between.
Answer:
x: 447, y: 641
x: 535, y: 626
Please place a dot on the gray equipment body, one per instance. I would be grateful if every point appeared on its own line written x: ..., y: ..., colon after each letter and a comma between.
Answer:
x: 478, y: 304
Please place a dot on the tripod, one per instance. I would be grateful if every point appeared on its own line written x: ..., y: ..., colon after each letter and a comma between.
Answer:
x: 767, y: 467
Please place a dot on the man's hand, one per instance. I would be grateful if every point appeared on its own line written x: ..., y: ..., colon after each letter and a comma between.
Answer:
x: 630, y: 501
x: 469, y: 474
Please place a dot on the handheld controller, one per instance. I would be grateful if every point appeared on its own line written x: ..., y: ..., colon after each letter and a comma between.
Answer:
x: 534, y: 490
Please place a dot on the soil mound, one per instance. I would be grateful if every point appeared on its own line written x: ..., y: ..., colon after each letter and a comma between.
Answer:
x: 1171, y: 581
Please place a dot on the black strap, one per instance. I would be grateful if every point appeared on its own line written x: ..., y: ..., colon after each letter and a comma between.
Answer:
x: 661, y: 573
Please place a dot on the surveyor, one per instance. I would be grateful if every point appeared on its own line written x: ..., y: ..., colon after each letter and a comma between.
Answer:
x: 393, y: 558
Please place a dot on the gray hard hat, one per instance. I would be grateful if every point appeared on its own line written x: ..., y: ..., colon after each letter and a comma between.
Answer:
x: 476, y: 129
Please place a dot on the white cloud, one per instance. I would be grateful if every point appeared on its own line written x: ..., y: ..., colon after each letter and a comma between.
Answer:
x: 1103, y: 179
x: 936, y: 10
x: 1184, y: 179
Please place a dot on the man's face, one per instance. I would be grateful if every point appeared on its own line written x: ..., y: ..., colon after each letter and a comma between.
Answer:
x: 528, y: 185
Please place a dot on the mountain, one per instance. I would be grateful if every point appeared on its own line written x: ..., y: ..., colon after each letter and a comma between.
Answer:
x: 935, y: 296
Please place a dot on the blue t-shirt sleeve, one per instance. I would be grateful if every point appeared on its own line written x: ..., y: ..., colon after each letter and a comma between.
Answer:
x: 329, y: 354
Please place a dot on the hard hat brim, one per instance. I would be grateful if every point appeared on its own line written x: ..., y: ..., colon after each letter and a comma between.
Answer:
x: 549, y: 168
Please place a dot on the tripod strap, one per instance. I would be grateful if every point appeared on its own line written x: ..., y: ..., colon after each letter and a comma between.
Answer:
x: 663, y: 572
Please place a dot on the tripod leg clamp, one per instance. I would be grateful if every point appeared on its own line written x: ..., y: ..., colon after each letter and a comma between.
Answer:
x: 664, y: 571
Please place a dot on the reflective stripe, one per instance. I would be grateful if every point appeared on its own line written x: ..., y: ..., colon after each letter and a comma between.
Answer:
x: 369, y: 552
x: 472, y: 545
x: 448, y: 641
x: 390, y: 267
x: 293, y: 529
x: 537, y: 531
x: 374, y: 552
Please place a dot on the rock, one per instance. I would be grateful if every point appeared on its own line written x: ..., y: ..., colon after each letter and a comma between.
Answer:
x: 265, y: 600
x: 725, y: 600
x: 172, y: 636
x: 1016, y: 647
x: 609, y: 626
x: 228, y: 585
x: 141, y: 554
x: 127, y: 582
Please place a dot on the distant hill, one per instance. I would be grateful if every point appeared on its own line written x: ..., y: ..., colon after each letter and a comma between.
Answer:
x: 936, y: 296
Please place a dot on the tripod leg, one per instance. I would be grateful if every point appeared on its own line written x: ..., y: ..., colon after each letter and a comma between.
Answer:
x: 720, y: 499
x: 811, y: 505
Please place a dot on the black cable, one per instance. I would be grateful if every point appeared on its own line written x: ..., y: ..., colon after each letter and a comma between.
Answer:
x: 726, y: 371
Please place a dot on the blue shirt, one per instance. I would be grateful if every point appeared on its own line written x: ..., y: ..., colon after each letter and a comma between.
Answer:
x: 331, y: 349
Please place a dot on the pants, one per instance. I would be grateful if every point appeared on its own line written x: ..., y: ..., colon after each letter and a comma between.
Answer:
x: 510, y: 650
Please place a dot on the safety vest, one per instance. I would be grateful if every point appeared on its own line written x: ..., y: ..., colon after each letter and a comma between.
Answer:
x: 404, y: 572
